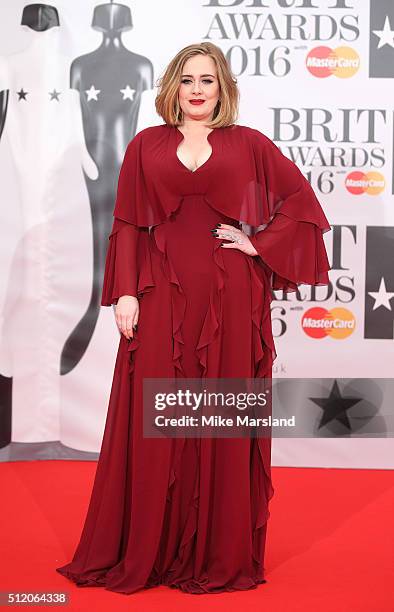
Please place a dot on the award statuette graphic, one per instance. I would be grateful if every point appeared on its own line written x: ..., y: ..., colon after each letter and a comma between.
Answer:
x: 110, y: 81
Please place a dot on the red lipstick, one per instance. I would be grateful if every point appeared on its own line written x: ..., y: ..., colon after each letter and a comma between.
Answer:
x: 196, y: 101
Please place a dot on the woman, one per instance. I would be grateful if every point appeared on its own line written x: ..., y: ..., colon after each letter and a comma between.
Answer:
x: 209, y: 217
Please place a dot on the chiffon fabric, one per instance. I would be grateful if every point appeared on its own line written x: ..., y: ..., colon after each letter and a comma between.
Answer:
x: 192, y: 513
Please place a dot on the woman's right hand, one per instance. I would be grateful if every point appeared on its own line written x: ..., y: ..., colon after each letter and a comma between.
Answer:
x: 126, y: 314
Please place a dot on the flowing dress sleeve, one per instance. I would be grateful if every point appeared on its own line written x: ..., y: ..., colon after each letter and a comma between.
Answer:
x: 291, y: 244
x: 120, y: 274
x: 121, y: 264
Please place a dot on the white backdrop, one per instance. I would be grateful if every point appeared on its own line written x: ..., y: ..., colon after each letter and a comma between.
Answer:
x: 316, y: 76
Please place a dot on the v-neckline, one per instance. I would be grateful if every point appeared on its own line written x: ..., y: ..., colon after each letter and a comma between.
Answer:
x: 181, y: 138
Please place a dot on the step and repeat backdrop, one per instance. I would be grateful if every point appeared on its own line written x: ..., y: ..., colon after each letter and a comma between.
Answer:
x: 77, y: 82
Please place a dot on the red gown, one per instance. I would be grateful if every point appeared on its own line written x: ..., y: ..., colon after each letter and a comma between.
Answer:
x: 192, y: 512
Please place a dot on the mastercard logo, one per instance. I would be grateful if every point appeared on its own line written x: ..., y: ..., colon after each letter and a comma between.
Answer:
x: 339, y: 323
x: 358, y: 182
x: 342, y: 62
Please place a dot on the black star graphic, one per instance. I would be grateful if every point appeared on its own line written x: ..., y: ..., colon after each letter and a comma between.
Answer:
x: 55, y: 95
x: 335, y: 406
x: 22, y: 94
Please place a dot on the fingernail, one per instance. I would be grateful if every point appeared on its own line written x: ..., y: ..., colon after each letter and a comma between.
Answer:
x: 218, y: 224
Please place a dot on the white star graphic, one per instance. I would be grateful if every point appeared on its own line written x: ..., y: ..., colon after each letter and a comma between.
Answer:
x: 92, y: 93
x: 128, y: 93
x: 381, y: 297
x: 386, y: 36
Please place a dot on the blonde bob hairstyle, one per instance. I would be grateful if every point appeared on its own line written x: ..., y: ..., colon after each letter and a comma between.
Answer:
x: 167, y: 101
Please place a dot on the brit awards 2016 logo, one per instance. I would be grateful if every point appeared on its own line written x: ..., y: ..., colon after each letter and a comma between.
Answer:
x: 316, y: 133
x: 280, y: 30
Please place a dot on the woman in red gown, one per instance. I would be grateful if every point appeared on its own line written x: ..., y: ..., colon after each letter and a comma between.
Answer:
x: 192, y: 512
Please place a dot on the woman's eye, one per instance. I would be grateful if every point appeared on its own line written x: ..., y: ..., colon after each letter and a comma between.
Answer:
x: 204, y: 81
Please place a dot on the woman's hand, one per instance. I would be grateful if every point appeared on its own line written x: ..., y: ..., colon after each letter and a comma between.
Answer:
x: 239, y: 239
x: 126, y: 314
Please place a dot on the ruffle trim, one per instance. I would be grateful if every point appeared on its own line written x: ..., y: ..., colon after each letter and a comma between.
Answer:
x: 121, y: 256
x: 263, y: 343
x: 214, y: 314
x: 145, y: 285
x: 285, y: 274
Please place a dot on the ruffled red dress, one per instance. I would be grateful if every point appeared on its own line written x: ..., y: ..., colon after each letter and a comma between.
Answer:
x: 192, y: 513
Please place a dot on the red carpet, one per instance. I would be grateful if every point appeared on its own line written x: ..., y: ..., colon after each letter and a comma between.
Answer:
x: 329, y: 548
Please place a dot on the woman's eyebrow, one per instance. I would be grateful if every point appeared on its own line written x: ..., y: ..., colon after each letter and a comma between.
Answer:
x: 203, y: 75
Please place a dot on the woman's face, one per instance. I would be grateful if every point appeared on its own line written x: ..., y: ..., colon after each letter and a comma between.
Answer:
x: 199, y: 82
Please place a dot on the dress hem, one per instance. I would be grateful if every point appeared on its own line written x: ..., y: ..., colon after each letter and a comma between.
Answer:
x: 191, y: 586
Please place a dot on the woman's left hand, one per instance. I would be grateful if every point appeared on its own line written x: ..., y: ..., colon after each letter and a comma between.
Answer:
x: 239, y: 240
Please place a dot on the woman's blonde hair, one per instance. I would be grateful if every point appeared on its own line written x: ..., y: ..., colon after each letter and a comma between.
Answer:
x: 167, y: 102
